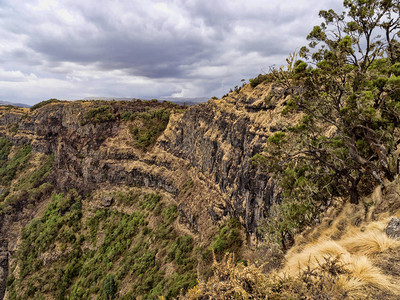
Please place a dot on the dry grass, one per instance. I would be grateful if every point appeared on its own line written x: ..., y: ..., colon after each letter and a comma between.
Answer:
x: 369, y: 243
x: 354, y: 254
x: 347, y: 256
x: 356, y: 235
x: 237, y: 281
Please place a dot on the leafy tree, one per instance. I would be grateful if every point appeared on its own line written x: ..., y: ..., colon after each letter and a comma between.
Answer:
x: 110, y: 288
x: 347, y: 91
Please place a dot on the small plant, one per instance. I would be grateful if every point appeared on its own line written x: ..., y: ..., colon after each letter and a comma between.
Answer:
x: 260, y: 79
x: 228, y: 239
x: 109, y: 287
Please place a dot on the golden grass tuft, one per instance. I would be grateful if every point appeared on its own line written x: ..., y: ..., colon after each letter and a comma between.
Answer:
x: 369, y: 243
x: 356, y: 248
x: 311, y: 255
x: 362, y: 273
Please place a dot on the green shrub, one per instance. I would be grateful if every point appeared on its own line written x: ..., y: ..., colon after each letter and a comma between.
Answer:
x: 125, y: 246
x: 170, y: 214
x: 229, y: 238
x: 109, y: 287
x: 150, y: 201
x: 259, y: 79
x: 10, y: 167
x: 5, y: 148
x: 99, y: 114
x: 43, y: 103
x: 154, y: 123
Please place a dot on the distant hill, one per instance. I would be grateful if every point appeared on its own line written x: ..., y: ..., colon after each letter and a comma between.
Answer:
x: 178, y: 100
x: 15, y: 104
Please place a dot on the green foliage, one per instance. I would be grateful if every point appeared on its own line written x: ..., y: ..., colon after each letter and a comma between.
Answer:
x: 149, y: 201
x: 9, y: 168
x: 38, y: 175
x: 63, y: 213
x: 127, y: 199
x: 260, y: 79
x: 170, y: 214
x: 228, y: 239
x: 99, y: 114
x: 110, y: 287
x: 123, y: 248
x: 29, y: 182
x: 153, y: 124
x: 349, y: 102
x: 180, y: 250
x: 277, y: 138
x: 43, y: 103
x: 395, y: 69
x: 5, y: 147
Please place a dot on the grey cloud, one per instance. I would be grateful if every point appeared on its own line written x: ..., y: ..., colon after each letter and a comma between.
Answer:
x: 167, y: 44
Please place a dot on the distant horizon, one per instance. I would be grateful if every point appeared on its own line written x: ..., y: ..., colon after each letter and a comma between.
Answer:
x: 172, y: 99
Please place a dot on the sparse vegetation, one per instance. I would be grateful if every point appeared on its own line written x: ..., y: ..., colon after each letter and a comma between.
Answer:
x: 237, y: 281
x: 99, y: 114
x: 5, y: 147
x: 10, y: 167
x: 148, y: 126
x: 123, y: 247
x: 43, y: 103
x: 260, y: 79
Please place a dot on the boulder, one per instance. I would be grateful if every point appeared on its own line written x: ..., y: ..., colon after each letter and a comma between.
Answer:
x: 107, y: 201
x: 393, y: 228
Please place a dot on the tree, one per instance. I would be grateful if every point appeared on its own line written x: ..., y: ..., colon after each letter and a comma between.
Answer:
x: 110, y: 288
x: 348, y: 93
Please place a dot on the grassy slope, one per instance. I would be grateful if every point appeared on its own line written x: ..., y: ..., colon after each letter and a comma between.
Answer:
x: 71, y: 250
x: 347, y: 256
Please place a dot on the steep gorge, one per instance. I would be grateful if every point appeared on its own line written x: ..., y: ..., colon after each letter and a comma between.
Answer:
x: 202, y: 161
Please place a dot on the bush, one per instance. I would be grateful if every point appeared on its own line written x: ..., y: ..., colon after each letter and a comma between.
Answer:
x: 99, y: 115
x: 228, y: 239
x: 9, y: 168
x: 43, y: 103
x: 259, y: 79
x: 150, y: 201
x: 154, y: 123
x: 109, y: 287
x: 5, y: 148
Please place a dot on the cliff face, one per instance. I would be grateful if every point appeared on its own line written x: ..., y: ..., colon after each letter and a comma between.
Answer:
x: 220, y: 137
x: 201, y: 162
x: 214, y: 141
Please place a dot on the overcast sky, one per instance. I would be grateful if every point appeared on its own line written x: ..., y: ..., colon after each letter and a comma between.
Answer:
x: 145, y: 48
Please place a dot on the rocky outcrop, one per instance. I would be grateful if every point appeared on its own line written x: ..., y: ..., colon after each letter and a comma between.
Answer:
x: 393, y: 228
x: 220, y: 138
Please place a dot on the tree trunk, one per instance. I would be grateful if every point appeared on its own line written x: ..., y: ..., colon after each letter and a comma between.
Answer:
x: 354, y: 195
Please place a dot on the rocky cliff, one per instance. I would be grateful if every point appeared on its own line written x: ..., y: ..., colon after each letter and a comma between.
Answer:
x: 214, y: 141
x: 202, y: 161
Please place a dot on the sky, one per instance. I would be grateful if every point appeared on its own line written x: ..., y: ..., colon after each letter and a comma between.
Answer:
x: 145, y: 49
